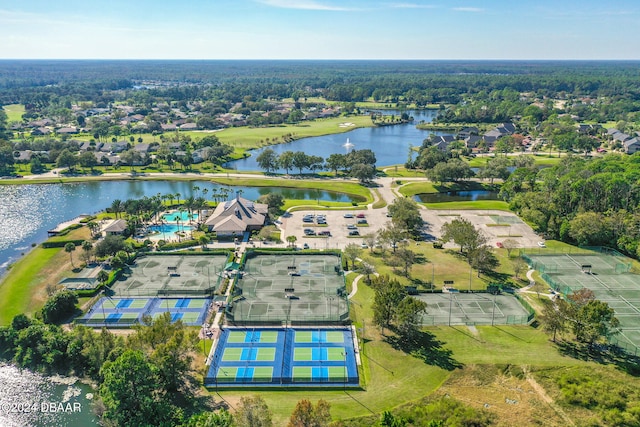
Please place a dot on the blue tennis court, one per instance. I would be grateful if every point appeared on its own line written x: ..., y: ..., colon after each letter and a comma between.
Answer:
x: 270, y: 357
x: 126, y: 312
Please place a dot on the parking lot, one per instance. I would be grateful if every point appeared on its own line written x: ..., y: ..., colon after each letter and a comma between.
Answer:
x: 497, y: 226
x: 334, y: 223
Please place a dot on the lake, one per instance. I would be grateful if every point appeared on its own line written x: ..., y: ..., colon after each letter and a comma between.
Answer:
x: 390, y: 143
x: 28, y: 211
x: 31, y: 399
x: 456, y: 196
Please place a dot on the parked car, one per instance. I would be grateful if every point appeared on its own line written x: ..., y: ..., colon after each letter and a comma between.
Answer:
x: 352, y: 227
x: 542, y: 244
x: 354, y: 233
x: 348, y: 215
x: 324, y: 233
x: 499, y: 244
x: 362, y: 221
x: 307, y: 219
x: 360, y: 215
x: 364, y: 246
x: 305, y: 246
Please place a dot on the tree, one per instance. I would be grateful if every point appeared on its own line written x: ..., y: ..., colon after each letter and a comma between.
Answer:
x: 110, y: 245
x: 300, y: 160
x: 87, y: 248
x: 253, y: 412
x: 203, y: 240
x: 370, y: 240
x: 291, y: 240
x: 268, y: 160
x: 553, y: 317
x: 129, y: 392
x: 66, y: 159
x: 405, y: 214
x: 464, y: 234
x: 483, y: 259
x: 510, y: 245
x: 351, y: 253
x: 391, y: 234
x: 274, y: 202
x: 87, y: 160
x: 387, y: 419
x: 285, y: 160
x: 388, y: 295
x: 594, y: 321
x: 103, y: 276
x: 408, y: 314
x: 221, y: 418
x: 170, y: 346
x: 363, y: 172
x: 69, y: 248
x: 307, y: 415
x: 59, y: 307
x: 519, y: 266
x: 117, y: 207
x: 407, y: 258
x: 336, y: 161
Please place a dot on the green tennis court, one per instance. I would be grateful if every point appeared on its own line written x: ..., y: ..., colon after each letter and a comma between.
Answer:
x: 308, y: 354
x: 239, y: 374
x: 113, y: 303
x: 315, y: 373
x: 271, y: 357
x: 253, y: 336
x: 238, y: 354
x: 319, y: 336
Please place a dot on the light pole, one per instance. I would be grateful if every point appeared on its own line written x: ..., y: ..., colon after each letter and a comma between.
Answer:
x: 493, y: 312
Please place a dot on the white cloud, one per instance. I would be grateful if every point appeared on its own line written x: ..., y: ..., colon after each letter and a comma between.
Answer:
x: 303, y: 4
x: 411, y: 6
x: 468, y: 9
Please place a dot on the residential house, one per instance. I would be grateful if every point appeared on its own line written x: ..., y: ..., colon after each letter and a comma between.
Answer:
x: 237, y: 216
x: 189, y: 126
x: 142, y: 148
x: 114, y: 227
x: 467, y: 132
x: 472, y: 141
x: 167, y: 127
x: 632, y: 145
x: 442, y: 142
x: 67, y: 131
x: 40, y: 131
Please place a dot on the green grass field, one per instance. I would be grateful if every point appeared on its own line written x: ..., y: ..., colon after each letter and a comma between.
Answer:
x: 14, y: 112
x: 246, y: 138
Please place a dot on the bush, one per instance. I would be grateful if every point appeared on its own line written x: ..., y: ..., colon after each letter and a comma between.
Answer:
x: 59, y: 307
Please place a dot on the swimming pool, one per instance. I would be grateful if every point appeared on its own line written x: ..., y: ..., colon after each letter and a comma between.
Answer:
x: 170, y: 228
x: 182, y: 216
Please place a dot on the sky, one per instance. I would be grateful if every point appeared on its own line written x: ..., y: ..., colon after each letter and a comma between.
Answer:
x: 319, y: 29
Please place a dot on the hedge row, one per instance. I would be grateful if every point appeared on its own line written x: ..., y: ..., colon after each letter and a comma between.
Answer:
x: 60, y: 243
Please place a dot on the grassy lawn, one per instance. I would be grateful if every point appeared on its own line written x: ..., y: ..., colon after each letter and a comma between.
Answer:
x: 23, y: 280
x: 14, y: 112
x: 23, y: 289
x: 401, y: 171
x: 437, y: 264
x: 246, y: 138
x: 413, y: 188
x: 497, y: 205
x: 351, y: 188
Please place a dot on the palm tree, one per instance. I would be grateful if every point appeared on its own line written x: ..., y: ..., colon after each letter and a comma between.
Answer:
x: 86, y: 248
x: 291, y: 240
x: 117, y: 207
x: 69, y: 248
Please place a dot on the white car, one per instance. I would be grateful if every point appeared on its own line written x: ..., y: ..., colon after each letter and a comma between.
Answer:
x: 542, y: 244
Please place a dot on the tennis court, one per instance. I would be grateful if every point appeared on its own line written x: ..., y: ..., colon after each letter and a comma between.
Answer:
x: 158, y: 275
x: 284, y: 357
x: 289, y: 288
x: 608, y: 276
x: 126, y: 312
x: 473, y: 309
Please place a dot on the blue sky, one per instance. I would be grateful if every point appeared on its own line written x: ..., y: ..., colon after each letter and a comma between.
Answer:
x: 320, y: 29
